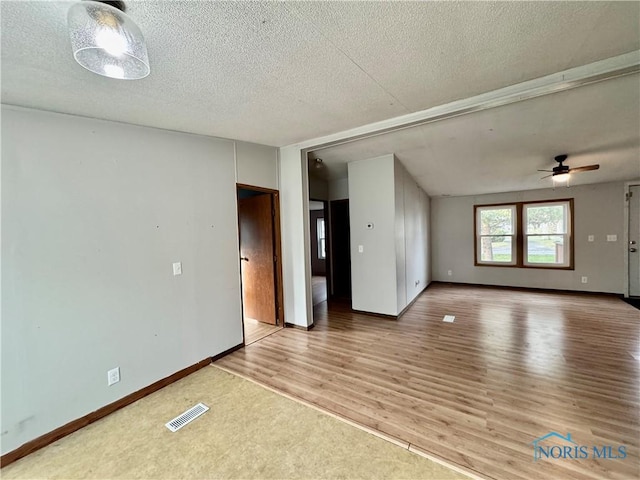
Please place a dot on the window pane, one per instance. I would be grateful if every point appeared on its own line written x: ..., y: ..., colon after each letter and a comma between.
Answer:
x: 496, y: 221
x: 496, y: 249
x: 321, y: 238
x: 546, y: 249
x: 546, y: 219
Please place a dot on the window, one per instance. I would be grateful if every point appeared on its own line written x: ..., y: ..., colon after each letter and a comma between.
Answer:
x: 525, y: 234
x: 546, y: 236
x: 496, y: 232
x: 322, y: 253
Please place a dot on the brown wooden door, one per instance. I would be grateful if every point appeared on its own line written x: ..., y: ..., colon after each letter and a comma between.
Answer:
x: 257, y: 258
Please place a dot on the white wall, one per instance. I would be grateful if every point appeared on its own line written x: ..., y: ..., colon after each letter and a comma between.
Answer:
x: 318, y: 188
x: 296, y: 251
x: 257, y: 165
x: 599, y: 211
x: 428, y: 240
x: 393, y: 268
x: 339, y: 189
x: 372, y: 200
x: 93, y: 215
x: 399, y: 174
x: 415, y: 237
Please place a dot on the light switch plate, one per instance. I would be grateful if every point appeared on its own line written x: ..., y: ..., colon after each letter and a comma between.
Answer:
x: 612, y: 238
x: 590, y: 238
x: 177, y: 268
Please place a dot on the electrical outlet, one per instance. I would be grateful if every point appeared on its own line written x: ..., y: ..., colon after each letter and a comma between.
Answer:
x: 585, y: 279
x: 360, y: 248
x: 113, y: 376
x: 612, y: 238
x: 449, y: 272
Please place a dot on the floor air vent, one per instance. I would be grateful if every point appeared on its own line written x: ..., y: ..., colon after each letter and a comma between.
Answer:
x: 187, y: 417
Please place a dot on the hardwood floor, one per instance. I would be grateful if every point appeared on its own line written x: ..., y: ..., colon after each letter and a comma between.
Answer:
x: 319, y: 289
x: 255, y: 330
x: 514, y: 366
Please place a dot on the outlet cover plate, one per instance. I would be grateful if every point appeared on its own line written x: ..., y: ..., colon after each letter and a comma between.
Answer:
x: 113, y: 376
x: 177, y: 268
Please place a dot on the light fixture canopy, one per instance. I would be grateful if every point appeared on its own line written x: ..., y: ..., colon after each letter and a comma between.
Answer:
x: 106, y: 41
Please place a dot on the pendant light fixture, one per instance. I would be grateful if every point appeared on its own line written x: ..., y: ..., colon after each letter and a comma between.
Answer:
x: 106, y: 41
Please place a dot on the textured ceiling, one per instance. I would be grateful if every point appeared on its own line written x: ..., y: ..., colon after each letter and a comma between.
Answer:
x: 500, y: 149
x: 281, y: 72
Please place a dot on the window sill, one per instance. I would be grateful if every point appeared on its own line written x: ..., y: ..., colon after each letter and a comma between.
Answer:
x: 535, y: 267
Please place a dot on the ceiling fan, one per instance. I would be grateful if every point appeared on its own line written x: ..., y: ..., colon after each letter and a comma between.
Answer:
x: 561, y: 172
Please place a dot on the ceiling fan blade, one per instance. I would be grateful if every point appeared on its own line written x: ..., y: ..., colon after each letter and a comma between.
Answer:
x: 545, y: 170
x: 584, y: 169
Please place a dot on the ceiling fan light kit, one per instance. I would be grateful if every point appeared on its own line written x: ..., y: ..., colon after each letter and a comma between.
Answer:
x: 106, y: 41
x: 562, y: 178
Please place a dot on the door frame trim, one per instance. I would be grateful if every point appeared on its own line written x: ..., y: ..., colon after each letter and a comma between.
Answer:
x: 626, y: 233
x: 277, y: 245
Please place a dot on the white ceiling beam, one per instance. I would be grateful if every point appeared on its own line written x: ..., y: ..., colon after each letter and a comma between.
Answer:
x: 609, y: 68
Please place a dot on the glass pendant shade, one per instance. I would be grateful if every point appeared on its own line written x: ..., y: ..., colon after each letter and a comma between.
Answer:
x: 106, y: 41
x: 561, y: 177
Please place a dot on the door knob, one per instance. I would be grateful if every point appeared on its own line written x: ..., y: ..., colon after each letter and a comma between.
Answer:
x: 633, y: 249
x: 244, y: 258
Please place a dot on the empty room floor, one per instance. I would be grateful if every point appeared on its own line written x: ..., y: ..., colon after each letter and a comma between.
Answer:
x: 255, y: 330
x: 248, y: 433
x: 513, y: 367
x: 319, y: 289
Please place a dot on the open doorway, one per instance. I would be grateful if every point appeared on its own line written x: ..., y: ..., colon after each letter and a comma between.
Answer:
x: 340, y: 240
x: 318, y: 223
x: 329, y: 234
x: 261, y: 272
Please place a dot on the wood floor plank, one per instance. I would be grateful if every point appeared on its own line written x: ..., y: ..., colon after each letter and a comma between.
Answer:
x: 513, y: 366
x: 255, y: 330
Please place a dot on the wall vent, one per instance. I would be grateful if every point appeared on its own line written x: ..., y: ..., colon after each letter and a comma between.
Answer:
x: 187, y: 417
